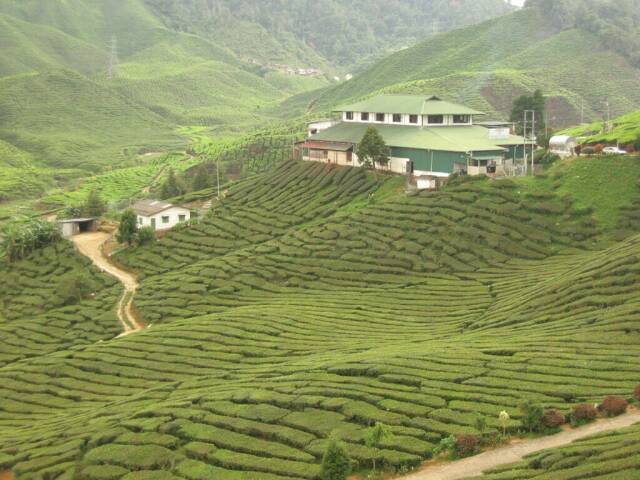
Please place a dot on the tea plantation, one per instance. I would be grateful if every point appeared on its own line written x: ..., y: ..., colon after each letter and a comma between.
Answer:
x: 611, y: 456
x: 315, y: 301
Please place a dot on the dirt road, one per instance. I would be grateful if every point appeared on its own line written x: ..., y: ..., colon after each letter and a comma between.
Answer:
x: 90, y: 245
x: 474, y: 466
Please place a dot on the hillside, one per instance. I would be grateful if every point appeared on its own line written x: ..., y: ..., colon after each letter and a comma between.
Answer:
x: 316, y: 301
x: 328, y: 34
x: 488, y: 65
x: 625, y: 130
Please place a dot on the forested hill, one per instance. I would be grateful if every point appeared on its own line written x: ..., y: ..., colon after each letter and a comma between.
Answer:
x: 343, y: 32
x: 488, y: 65
x: 616, y: 22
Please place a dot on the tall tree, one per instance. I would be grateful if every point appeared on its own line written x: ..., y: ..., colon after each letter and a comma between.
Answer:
x: 535, y: 102
x: 372, y: 149
x: 201, y: 180
x: 375, y: 436
x: 336, y: 463
x: 171, y: 186
x: 94, y: 206
x: 128, y: 227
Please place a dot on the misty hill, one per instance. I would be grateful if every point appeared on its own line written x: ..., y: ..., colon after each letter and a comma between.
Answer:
x: 488, y: 65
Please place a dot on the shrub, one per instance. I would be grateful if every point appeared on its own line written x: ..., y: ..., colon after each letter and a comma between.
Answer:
x: 552, y: 418
x: 74, y: 288
x: 588, y: 151
x: 447, y: 444
x: 584, y: 412
x: 22, y: 239
x: 636, y: 393
x: 128, y: 227
x: 466, y: 445
x: 336, y: 463
x: 531, y: 416
x: 146, y: 236
x: 613, y: 406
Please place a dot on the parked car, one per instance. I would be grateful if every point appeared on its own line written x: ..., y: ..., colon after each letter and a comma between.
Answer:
x: 614, y: 151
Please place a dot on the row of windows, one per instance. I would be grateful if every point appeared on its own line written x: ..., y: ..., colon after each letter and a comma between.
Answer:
x: 164, y: 219
x: 414, y: 119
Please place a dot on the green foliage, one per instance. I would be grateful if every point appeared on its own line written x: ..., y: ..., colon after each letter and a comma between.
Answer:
x: 372, y: 150
x: 21, y: 239
x: 128, y: 227
x: 375, y: 436
x: 145, y: 236
x: 75, y: 287
x: 447, y: 444
x: 531, y: 416
x: 201, y: 179
x: 171, y: 187
x: 94, y: 206
x: 481, y: 423
x: 336, y: 463
x: 535, y: 103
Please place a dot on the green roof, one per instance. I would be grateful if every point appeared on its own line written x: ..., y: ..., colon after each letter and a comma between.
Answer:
x: 409, y: 104
x: 449, y: 139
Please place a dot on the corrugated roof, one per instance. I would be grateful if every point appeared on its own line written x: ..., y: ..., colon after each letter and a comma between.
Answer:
x: 449, y: 139
x: 409, y: 104
x: 150, y: 207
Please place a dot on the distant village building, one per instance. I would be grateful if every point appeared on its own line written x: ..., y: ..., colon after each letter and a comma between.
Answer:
x: 75, y: 226
x: 563, y: 145
x: 428, y: 137
x: 160, y: 215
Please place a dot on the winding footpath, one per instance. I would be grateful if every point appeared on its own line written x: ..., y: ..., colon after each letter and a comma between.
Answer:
x: 90, y: 245
x: 475, y: 466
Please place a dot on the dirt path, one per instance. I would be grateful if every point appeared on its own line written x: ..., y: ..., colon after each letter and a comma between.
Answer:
x: 90, y: 245
x: 474, y: 466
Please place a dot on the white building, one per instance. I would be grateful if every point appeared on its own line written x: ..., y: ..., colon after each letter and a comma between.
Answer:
x: 563, y: 145
x: 160, y: 215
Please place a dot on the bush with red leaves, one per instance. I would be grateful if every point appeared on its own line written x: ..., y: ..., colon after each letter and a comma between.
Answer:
x: 466, y: 445
x: 584, y: 412
x: 636, y: 393
x: 552, y: 418
x: 613, y: 406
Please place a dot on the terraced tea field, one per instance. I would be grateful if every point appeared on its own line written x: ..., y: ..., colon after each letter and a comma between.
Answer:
x: 610, y: 456
x: 315, y: 301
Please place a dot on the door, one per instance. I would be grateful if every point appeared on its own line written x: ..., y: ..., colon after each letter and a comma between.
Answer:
x: 153, y: 223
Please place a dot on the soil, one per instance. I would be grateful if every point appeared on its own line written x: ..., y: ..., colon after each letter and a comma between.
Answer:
x: 91, y: 245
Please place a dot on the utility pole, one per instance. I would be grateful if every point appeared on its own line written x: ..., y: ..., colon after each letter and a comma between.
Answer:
x: 218, y: 174
x: 112, y: 69
x: 529, y: 133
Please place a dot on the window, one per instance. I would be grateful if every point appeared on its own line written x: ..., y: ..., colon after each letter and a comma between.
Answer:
x: 379, y: 117
x: 413, y: 119
x: 435, y: 119
x: 165, y: 219
x: 397, y: 118
x: 349, y: 115
x: 182, y: 218
x: 364, y: 116
x: 140, y: 221
x: 461, y: 119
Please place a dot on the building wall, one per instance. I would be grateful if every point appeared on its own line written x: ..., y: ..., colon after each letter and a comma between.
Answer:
x: 388, y: 120
x: 431, y: 160
x: 173, y: 220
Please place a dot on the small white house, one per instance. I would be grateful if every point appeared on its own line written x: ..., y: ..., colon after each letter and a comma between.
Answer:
x: 563, y: 145
x: 160, y: 215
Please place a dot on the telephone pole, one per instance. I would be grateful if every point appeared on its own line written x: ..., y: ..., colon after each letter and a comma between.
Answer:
x: 529, y: 133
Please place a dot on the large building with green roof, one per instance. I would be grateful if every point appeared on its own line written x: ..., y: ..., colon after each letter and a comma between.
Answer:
x: 427, y: 136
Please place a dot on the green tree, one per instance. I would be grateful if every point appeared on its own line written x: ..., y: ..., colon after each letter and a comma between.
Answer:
x: 481, y: 423
x: 336, y: 463
x: 532, y: 415
x: 375, y: 436
x: 128, y: 227
x: 75, y: 287
x: 535, y: 102
x: 21, y: 239
x: 201, y: 180
x: 504, y: 418
x: 171, y: 186
x: 372, y: 150
x: 145, y: 236
x: 94, y: 206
